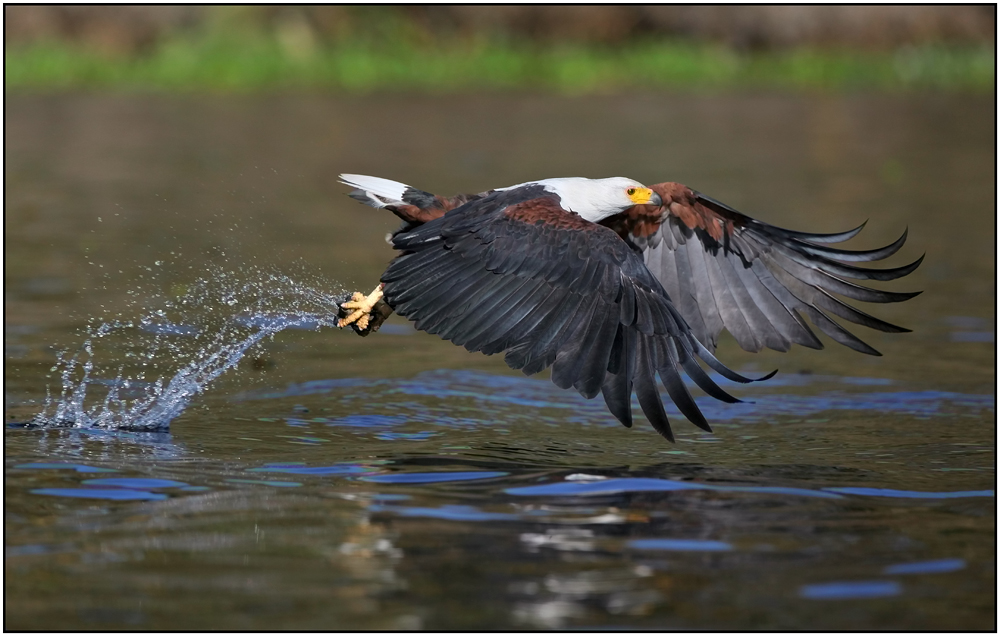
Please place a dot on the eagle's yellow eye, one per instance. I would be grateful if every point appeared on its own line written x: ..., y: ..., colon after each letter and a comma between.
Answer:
x: 630, y: 191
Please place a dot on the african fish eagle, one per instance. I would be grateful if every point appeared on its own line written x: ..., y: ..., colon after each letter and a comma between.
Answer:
x: 610, y: 283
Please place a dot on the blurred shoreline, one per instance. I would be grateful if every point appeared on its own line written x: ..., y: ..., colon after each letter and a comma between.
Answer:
x: 570, y: 49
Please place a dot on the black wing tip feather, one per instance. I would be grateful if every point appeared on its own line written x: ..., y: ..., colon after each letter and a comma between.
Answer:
x: 618, y: 398
x: 828, y: 261
x: 663, y: 428
x: 722, y: 369
x: 892, y: 297
x: 891, y: 273
x: 682, y: 398
x: 652, y: 407
x: 812, y: 237
x: 818, y: 249
x: 649, y: 397
x: 862, y: 347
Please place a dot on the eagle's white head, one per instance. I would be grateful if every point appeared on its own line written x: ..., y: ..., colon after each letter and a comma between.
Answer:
x: 597, y: 199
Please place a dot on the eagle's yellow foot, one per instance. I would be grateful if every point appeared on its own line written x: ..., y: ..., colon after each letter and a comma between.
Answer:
x: 362, y: 306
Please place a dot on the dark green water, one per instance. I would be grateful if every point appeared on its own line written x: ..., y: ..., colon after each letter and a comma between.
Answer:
x: 399, y: 482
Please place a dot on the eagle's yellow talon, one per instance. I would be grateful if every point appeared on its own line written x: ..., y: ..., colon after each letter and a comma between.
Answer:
x: 362, y: 306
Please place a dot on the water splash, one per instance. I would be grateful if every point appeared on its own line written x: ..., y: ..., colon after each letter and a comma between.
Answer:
x: 201, y: 333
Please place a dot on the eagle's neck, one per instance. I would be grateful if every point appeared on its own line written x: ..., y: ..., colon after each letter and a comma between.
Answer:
x: 593, y: 199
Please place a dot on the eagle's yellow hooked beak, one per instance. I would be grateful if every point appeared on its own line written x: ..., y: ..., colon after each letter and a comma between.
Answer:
x: 644, y: 196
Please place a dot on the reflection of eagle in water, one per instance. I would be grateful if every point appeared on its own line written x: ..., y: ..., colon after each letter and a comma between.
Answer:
x: 610, y: 282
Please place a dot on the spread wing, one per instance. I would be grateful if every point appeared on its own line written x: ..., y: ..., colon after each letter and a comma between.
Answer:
x: 513, y: 272
x: 725, y: 270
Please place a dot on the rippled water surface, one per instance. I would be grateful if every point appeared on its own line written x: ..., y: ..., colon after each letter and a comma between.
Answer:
x: 235, y: 463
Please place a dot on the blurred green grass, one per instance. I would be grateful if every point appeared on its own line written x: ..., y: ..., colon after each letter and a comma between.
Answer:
x: 228, y: 62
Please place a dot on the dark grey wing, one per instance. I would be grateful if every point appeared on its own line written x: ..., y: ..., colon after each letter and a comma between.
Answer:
x: 513, y: 272
x: 725, y: 270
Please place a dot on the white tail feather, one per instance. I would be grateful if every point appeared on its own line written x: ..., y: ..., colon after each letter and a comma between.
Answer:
x: 381, y: 192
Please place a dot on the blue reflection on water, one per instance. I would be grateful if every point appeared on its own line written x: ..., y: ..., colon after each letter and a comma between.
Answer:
x: 939, y: 566
x: 639, y: 484
x: 362, y: 421
x: 80, y: 468
x: 775, y: 490
x: 299, y: 439
x: 390, y: 497
x: 850, y: 590
x: 451, y: 512
x: 413, y: 437
x: 911, y: 494
x: 430, y: 478
x: 605, y: 487
x: 299, y: 469
x: 116, y: 494
x: 679, y: 545
x: 262, y: 482
x: 135, y: 482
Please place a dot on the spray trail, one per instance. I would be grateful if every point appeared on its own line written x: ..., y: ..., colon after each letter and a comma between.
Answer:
x: 203, y: 333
